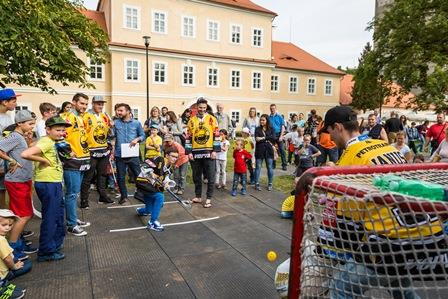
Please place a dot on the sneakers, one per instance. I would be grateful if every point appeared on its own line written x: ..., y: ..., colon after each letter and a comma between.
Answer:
x: 84, y: 205
x: 27, y: 233
x: 270, y: 187
x: 55, y: 256
x: 180, y: 191
x: 106, y: 201
x: 284, y: 168
x: 257, y: 187
x: 81, y: 223
x: 77, y: 231
x: 233, y: 193
x: 19, y: 256
x: 123, y: 200
x: 27, y: 249
x: 141, y: 212
x: 155, y: 226
x: 11, y: 291
x: 243, y: 192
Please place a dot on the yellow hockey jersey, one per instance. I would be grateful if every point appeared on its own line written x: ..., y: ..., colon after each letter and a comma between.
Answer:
x: 203, y: 136
x: 77, y: 138
x: 97, y: 129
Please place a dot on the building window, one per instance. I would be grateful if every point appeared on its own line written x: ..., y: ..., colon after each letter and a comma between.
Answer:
x: 213, y: 31
x: 188, y: 75
x: 159, y: 75
x: 328, y: 87
x: 235, y: 34
x: 235, y: 79
x: 132, y: 17
x: 257, y: 37
x: 235, y: 115
x: 256, y: 80
x: 96, y: 70
x: 159, y: 24
x: 274, y: 83
x: 212, y: 77
x: 188, y: 27
x: 132, y: 70
x: 135, y: 113
x: 293, y: 84
x: 311, y: 86
x: 18, y: 108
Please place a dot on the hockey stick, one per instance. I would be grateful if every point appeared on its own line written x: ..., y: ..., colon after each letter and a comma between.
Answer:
x: 185, y: 203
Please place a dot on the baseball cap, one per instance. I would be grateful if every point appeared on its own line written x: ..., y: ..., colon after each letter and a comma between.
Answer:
x: 7, y: 214
x: 98, y: 99
x: 8, y: 93
x: 56, y: 121
x: 154, y: 126
x: 338, y: 114
x: 22, y: 116
x: 246, y: 130
x: 168, y: 137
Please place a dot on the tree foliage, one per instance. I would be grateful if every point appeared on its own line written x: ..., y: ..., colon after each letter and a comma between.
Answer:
x: 411, y: 49
x: 37, y: 41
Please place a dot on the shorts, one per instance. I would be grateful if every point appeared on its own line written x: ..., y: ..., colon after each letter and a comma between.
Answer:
x: 2, y: 182
x: 20, y: 201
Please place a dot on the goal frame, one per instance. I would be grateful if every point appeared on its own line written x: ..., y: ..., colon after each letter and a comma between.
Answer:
x: 302, y: 193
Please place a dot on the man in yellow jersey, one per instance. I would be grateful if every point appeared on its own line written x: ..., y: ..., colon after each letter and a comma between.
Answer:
x: 97, y: 128
x: 77, y: 164
x: 201, y: 145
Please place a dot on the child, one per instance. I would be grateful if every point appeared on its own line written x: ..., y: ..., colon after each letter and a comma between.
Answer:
x: 239, y: 174
x: 249, y: 146
x: 18, y: 180
x: 298, y: 143
x: 152, y: 181
x: 307, y: 153
x: 153, y: 143
x: 47, y: 110
x: 180, y: 169
x: 48, y: 175
x: 221, y: 160
x: 9, y: 269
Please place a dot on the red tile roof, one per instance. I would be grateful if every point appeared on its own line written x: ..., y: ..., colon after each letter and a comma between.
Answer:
x: 289, y: 56
x: 97, y: 16
x: 244, y: 4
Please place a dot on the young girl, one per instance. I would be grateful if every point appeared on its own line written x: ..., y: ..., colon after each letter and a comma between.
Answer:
x: 153, y: 143
x: 240, y: 168
x: 221, y: 160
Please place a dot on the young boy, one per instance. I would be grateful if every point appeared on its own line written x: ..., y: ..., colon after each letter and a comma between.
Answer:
x: 47, y: 110
x: 152, y: 181
x: 307, y: 152
x: 18, y: 180
x: 221, y: 161
x: 9, y: 269
x: 48, y: 175
x: 249, y: 146
x: 153, y: 143
x: 239, y: 172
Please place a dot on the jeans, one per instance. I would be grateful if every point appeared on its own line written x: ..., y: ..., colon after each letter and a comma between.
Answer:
x: 98, y: 168
x: 180, y: 176
x: 331, y: 153
x: 207, y: 167
x: 269, y: 166
x: 153, y: 204
x: 239, y: 177
x: 353, y: 279
x: 251, y: 171
x: 221, y: 172
x: 72, y: 180
x: 52, y: 229
x: 122, y: 165
x: 281, y: 151
x: 27, y: 265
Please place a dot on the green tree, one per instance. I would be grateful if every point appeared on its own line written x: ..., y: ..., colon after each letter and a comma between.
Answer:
x: 37, y: 41
x: 411, y: 49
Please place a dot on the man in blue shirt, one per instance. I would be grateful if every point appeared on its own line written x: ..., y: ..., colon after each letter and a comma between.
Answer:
x: 126, y: 130
x: 278, y: 125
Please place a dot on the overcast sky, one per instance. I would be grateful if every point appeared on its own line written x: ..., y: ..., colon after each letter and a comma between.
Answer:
x: 332, y: 30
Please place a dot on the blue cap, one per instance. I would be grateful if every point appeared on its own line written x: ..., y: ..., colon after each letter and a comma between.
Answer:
x: 8, y: 93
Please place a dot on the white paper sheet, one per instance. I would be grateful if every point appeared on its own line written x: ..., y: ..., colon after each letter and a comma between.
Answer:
x: 128, y: 152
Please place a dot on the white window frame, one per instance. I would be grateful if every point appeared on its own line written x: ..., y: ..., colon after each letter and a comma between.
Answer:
x: 218, y: 30
x: 253, y: 37
x: 231, y: 77
x: 231, y: 33
x: 96, y: 66
x: 125, y: 7
x: 134, y: 108
x: 217, y: 77
x: 138, y: 70
x: 153, y: 21
x: 308, y: 86
x: 194, y: 75
x: 154, y: 72
x: 297, y: 84
x: 278, y: 83
x: 258, y: 113
x: 261, y: 80
x: 325, y: 87
x: 239, y: 115
x: 182, y: 20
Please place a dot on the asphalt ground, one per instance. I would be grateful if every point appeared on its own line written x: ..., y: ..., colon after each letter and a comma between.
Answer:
x: 222, y: 255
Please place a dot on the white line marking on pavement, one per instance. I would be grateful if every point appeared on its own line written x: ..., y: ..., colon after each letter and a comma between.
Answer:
x: 168, y: 224
x: 137, y: 205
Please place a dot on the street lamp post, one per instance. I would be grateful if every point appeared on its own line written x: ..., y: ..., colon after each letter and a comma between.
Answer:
x: 146, y: 39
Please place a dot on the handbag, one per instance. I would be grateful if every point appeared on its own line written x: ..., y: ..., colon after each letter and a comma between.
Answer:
x: 434, y: 142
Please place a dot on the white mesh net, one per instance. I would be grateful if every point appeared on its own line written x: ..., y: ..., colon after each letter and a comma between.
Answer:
x: 361, y: 242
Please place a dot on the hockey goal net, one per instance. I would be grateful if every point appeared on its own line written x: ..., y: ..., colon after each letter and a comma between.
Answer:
x: 353, y: 240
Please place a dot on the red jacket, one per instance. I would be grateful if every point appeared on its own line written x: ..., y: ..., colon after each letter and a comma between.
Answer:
x: 240, y: 157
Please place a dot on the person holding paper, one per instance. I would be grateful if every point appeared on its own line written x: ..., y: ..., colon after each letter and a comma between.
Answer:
x: 128, y: 134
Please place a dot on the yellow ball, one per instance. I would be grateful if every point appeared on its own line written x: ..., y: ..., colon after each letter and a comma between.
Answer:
x: 271, y: 256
